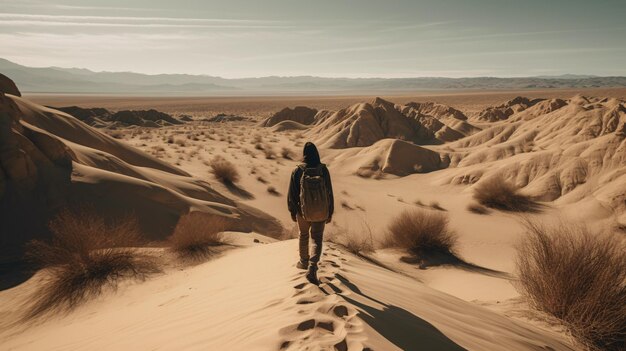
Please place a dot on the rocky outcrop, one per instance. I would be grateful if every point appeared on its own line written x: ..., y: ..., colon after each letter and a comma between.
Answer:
x: 503, y: 111
x: 100, y: 117
x: 142, y: 118
x: 35, y: 171
x: 400, y: 158
x: 221, y: 117
x: 447, y: 123
x: 92, y: 116
x: 7, y: 86
x: 300, y: 114
x: 366, y: 123
x: 50, y: 160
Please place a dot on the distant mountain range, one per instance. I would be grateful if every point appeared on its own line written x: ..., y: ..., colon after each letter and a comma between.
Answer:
x: 80, y: 80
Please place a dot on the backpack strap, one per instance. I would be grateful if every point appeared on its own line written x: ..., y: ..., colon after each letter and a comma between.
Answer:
x: 319, y: 169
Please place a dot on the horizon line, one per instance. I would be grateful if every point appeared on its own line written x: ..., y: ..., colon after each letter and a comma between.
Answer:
x: 539, y: 76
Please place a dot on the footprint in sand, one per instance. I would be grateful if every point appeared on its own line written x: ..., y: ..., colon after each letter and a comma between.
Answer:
x: 328, y: 323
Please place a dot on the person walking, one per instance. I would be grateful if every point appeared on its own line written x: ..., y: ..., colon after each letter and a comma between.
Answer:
x: 311, y: 204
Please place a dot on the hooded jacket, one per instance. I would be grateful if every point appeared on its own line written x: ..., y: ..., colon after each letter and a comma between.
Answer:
x: 311, y: 159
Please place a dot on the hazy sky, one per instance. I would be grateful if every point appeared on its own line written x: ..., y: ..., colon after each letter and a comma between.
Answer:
x: 356, y: 38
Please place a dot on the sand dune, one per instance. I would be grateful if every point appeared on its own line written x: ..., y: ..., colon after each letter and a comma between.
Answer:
x: 299, y: 114
x: 51, y: 160
x: 364, y: 124
x: 555, y: 149
x: 549, y: 147
x: 235, y: 303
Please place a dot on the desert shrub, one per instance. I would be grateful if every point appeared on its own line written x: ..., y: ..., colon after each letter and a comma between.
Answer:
x: 579, y: 277
x: 224, y: 170
x: 435, y: 205
x: 289, y: 232
x: 117, y: 134
x: 344, y: 204
x: 499, y: 194
x: 358, y: 242
x: 286, y: 153
x: 269, y: 153
x: 86, y: 253
x: 423, y: 233
x: 272, y: 190
x: 196, y: 235
x: 477, y: 208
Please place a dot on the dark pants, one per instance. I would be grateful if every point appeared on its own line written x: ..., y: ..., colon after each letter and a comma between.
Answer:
x: 316, y: 230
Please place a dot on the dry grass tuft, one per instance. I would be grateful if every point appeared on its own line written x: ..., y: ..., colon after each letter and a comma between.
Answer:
x: 359, y: 242
x: 269, y: 153
x: 436, y: 206
x: 224, y: 170
x: 196, y: 235
x: 117, y: 134
x: 346, y: 206
x: 85, y: 255
x: 272, y: 190
x: 286, y: 153
x: 478, y: 209
x: 289, y: 232
x: 499, y: 194
x: 579, y: 277
x: 423, y: 233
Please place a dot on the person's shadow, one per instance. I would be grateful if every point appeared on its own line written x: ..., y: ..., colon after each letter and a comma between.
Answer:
x: 401, y: 327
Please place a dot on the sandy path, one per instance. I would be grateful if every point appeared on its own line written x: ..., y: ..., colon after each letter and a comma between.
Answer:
x: 255, y: 299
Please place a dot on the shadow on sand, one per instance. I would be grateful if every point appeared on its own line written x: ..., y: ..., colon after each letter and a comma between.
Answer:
x: 236, y: 190
x: 401, y: 327
x: 450, y: 259
x: 13, y: 274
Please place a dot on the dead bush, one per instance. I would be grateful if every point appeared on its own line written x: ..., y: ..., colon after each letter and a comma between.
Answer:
x: 424, y: 233
x: 196, y: 235
x: 497, y: 193
x: 86, y: 254
x: 117, y: 134
x: 272, y: 190
x: 344, y: 204
x: 477, y: 208
x: 358, y: 242
x: 436, y: 206
x: 269, y: 153
x: 579, y: 277
x: 224, y: 170
x: 286, y: 153
x: 289, y: 232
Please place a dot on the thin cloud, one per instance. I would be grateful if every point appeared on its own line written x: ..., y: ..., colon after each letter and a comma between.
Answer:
x: 77, y: 18
x: 414, y: 26
x: 138, y: 25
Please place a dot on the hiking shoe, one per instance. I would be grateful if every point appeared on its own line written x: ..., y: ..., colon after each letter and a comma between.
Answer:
x: 302, y: 265
x: 311, y: 276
